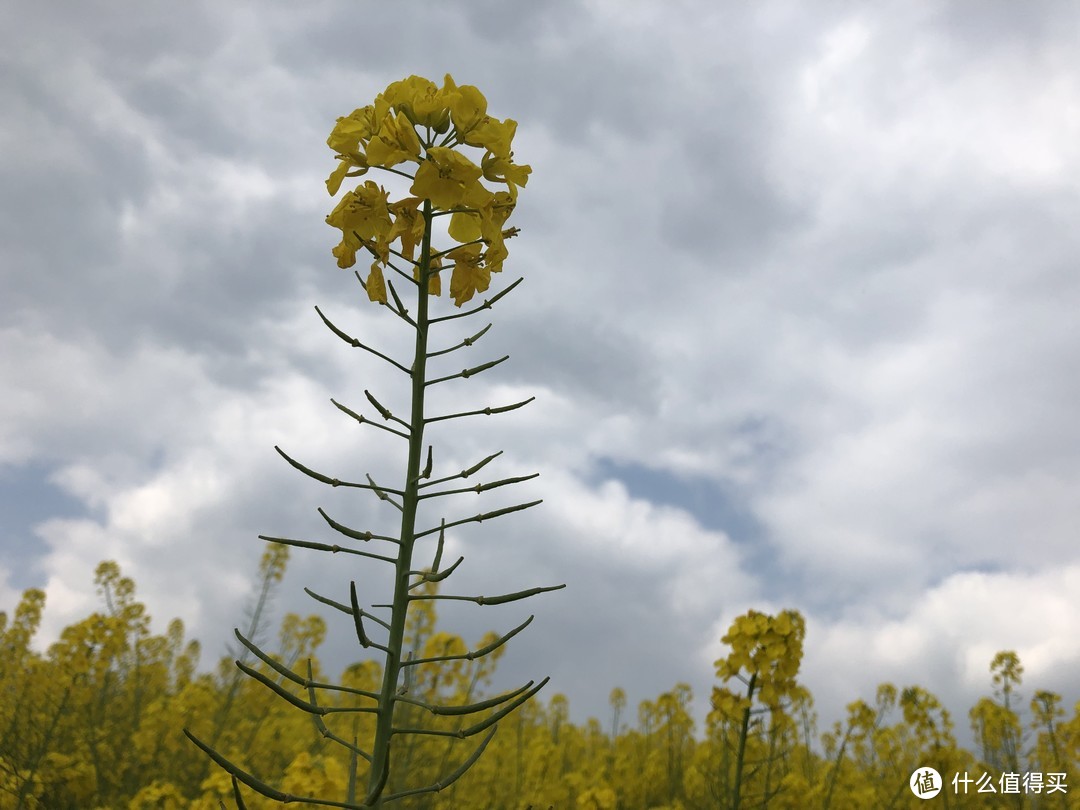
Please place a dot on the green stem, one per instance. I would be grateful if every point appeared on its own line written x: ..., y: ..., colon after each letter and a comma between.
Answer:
x: 384, y: 725
x: 736, y: 797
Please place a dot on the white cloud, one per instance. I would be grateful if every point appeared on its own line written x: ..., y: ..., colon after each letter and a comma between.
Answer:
x: 945, y: 639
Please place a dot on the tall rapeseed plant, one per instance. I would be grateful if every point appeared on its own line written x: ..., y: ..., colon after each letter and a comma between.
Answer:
x: 417, y: 131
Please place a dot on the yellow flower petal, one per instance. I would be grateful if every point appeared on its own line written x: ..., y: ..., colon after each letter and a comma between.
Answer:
x: 500, y: 169
x: 408, y: 224
x: 421, y: 101
x: 447, y: 178
x: 395, y: 142
x: 352, y: 131
x: 464, y: 227
x: 469, y: 109
x: 345, y: 254
x: 376, y: 284
x: 363, y: 210
x: 470, y: 275
x: 333, y: 182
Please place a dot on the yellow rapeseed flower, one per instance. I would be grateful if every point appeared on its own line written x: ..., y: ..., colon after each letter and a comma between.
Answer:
x: 422, y: 102
x: 474, y: 126
x: 383, y: 135
x: 499, y: 169
x: 395, y: 142
x: 470, y: 275
x: 408, y: 224
x: 448, y: 179
x: 485, y: 222
x: 362, y: 215
x: 352, y: 132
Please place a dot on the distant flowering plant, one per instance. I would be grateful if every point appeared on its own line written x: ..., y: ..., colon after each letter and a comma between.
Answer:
x: 416, y: 122
x: 765, y: 655
x: 417, y: 131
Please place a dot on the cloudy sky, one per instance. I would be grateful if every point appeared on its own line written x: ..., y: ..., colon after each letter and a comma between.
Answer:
x: 799, y: 313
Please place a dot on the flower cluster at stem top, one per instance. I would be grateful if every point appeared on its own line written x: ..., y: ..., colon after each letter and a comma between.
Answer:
x: 768, y: 649
x: 416, y: 122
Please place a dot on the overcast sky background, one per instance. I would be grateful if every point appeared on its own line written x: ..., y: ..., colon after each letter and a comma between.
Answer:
x: 799, y: 313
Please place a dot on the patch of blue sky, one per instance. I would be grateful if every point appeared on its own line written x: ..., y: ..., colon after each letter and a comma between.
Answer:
x: 714, y: 506
x: 27, y: 498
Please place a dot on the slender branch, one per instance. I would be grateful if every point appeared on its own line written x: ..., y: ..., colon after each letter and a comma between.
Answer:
x: 482, y: 517
x: 320, y: 726
x: 382, y: 493
x: 401, y: 313
x: 487, y: 722
x: 326, y: 733
x: 334, y: 549
x: 435, y: 576
x: 442, y: 253
x: 486, y: 305
x: 343, y: 608
x: 248, y: 779
x: 305, y: 682
x: 335, y: 482
x: 395, y: 171
x: 408, y: 277
x: 259, y: 786
x: 474, y: 654
x: 407, y: 685
x: 469, y: 708
x: 353, y: 533
x: 451, y: 778
x: 457, y: 209
x: 397, y: 300
x: 376, y: 254
x: 236, y: 796
x: 468, y: 372
x: 358, y: 622
x: 284, y: 693
x: 469, y: 341
x: 485, y: 411
x: 277, y: 666
x: 365, y: 421
x: 481, y: 487
x: 384, y: 412
x: 464, y: 473
x: 439, y: 547
x: 426, y: 472
x: 488, y: 600
x: 356, y: 344
x: 401, y: 255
